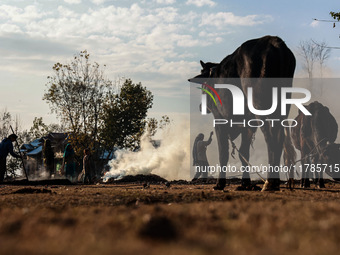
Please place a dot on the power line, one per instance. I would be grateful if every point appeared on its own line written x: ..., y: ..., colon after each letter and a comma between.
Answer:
x: 325, y: 20
x: 337, y: 48
x: 333, y: 21
x: 328, y: 47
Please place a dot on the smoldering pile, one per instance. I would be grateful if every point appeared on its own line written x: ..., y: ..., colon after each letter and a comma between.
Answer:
x: 139, y: 178
x: 156, y: 179
x: 168, y: 160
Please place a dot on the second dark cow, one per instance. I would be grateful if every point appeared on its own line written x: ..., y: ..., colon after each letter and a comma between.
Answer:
x: 314, y: 137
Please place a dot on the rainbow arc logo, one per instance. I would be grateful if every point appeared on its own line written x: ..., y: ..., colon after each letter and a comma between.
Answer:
x: 209, y: 93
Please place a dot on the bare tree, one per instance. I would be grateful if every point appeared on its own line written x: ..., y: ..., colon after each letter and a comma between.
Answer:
x: 322, y: 54
x: 307, y: 52
x: 313, y: 52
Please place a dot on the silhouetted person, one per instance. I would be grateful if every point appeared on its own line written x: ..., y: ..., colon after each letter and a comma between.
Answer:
x: 88, y: 167
x: 6, y: 146
x: 48, y: 157
x: 69, y: 163
x: 200, y: 156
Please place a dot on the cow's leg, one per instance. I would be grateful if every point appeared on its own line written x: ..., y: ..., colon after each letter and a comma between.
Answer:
x: 290, y: 182
x: 247, y: 135
x: 315, y: 173
x: 223, y: 149
x: 319, y: 174
x: 274, y: 136
x: 316, y: 177
x: 303, y: 172
x: 321, y: 183
x: 305, y: 183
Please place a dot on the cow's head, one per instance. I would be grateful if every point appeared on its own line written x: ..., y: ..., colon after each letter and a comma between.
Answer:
x: 208, y: 70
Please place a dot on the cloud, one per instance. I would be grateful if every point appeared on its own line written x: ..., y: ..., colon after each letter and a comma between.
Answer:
x: 19, y: 15
x: 36, y: 57
x: 165, y: 1
x: 158, y: 43
x: 9, y: 29
x: 98, y: 2
x: 200, y: 3
x: 130, y: 40
x: 152, y: 44
x: 221, y: 19
x: 314, y: 23
x: 72, y: 1
x: 157, y: 29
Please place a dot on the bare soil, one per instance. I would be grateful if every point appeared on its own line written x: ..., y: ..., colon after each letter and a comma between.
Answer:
x: 180, y: 219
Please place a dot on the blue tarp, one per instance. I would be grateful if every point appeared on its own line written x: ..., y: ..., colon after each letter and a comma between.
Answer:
x: 35, y: 152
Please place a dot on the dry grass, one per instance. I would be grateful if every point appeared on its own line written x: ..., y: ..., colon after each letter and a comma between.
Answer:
x: 185, y: 219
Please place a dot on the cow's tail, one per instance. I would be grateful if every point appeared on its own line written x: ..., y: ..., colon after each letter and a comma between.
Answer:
x: 289, y: 156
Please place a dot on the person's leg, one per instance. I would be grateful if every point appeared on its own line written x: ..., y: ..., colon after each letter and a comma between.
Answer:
x: 200, y: 168
x: 206, y: 168
x: 86, y: 178
x: 197, y: 174
x: 90, y: 178
x: 67, y: 172
x: 2, y: 169
x: 72, y: 171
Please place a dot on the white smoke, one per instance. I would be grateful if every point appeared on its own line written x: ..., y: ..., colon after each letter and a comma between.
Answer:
x: 171, y: 160
x: 35, y: 171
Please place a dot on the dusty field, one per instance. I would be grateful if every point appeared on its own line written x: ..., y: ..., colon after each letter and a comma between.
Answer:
x: 182, y: 219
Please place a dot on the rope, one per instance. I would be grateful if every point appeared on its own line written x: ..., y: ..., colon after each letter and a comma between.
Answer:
x: 310, y: 154
x: 248, y: 163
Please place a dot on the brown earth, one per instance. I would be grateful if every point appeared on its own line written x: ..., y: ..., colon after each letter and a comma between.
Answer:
x: 182, y: 219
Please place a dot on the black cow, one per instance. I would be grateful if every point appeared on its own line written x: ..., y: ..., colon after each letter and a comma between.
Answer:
x: 266, y: 57
x: 314, y: 137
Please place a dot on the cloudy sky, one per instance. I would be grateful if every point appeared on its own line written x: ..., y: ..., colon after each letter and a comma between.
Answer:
x: 156, y: 42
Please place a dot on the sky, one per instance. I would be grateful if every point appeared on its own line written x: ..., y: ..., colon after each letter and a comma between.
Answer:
x: 156, y: 42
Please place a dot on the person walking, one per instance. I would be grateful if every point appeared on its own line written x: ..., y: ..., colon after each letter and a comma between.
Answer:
x: 48, y: 157
x: 6, y: 147
x: 69, y: 164
x: 88, y: 167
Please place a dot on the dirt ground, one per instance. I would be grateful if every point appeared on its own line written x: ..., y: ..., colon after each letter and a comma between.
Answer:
x: 180, y: 219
